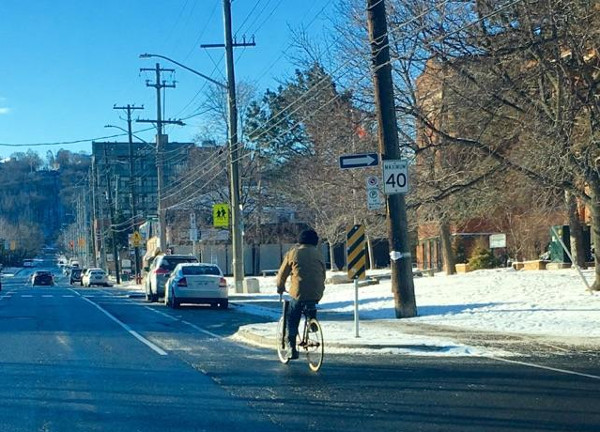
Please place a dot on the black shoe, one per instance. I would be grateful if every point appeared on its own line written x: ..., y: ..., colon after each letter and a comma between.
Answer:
x: 294, y: 354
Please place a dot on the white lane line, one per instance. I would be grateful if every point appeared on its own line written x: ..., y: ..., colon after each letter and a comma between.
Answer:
x: 132, y: 332
x: 200, y: 329
x: 537, y: 366
x: 67, y: 296
x: 26, y: 296
x: 47, y: 295
x: 171, y: 317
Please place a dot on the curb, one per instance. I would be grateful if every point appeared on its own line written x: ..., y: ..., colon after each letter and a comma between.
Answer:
x: 270, y: 342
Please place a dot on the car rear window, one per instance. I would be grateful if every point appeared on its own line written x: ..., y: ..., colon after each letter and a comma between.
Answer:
x: 171, y: 262
x: 201, y: 270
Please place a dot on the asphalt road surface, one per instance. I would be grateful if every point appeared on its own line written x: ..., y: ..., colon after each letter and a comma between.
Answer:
x: 102, y: 359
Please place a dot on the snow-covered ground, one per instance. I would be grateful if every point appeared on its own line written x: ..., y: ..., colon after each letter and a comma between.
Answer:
x: 552, y: 303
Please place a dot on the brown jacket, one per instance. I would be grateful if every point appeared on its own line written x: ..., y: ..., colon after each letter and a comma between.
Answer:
x: 306, y: 265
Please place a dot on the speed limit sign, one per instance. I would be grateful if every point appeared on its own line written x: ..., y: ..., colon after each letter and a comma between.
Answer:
x: 395, y: 176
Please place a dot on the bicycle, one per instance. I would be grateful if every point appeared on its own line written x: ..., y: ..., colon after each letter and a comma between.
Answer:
x: 310, y: 340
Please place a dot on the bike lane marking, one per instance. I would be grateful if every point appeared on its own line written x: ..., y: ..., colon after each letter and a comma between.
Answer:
x: 132, y: 332
x: 195, y: 327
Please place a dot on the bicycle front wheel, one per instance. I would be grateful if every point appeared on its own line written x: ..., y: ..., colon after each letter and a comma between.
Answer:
x: 315, y: 348
x: 282, y: 351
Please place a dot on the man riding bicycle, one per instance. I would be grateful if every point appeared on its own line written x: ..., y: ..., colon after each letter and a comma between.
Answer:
x: 306, y: 266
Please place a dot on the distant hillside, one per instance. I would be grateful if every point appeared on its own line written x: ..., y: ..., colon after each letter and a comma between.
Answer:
x: 38, y: 194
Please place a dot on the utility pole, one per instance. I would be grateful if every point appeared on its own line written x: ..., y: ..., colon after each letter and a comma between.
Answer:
x: 402, y: 280
x: 98, y: 231
x: 112, y: 217
x: 132, y: 197
x: 93, y: 215
x: 237, y: 225
x: 160, y: 141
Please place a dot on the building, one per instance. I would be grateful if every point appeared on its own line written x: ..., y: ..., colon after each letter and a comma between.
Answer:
x: 111, y: 167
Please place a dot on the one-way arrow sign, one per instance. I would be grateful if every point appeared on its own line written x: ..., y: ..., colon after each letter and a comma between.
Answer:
x: 359, y: 160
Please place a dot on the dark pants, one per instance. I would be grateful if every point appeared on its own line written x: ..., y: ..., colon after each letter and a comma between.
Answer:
x: 294, y: 315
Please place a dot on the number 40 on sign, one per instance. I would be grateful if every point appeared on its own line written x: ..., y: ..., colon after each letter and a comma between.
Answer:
x: 395, y: 176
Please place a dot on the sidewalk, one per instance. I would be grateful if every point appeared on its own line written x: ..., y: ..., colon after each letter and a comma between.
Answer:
x: 405, y: 336
x: 487, y: 312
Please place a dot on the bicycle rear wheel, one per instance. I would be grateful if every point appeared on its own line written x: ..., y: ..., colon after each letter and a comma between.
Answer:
x: 282, y: 351
x: 315, y: 348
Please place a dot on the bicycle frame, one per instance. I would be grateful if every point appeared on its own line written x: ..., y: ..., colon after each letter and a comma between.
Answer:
x: 311, y: 338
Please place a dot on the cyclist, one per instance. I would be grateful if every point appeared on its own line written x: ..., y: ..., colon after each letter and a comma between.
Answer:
x: 306, y: 266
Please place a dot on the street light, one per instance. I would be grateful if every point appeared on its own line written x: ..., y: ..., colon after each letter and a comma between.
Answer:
x: 206, y: 77
x: 236, y: 213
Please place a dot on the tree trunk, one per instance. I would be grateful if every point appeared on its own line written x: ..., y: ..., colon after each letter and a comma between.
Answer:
x: 575, y: 230
x: 334, y: 266
x: 447, y: 252
x: 595, y: 228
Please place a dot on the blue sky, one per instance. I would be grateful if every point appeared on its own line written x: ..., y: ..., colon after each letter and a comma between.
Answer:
x: 65, y: 63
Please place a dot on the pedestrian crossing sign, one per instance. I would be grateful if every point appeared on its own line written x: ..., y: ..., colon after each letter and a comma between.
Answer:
x: 136, y: 239
x: 221, y: 215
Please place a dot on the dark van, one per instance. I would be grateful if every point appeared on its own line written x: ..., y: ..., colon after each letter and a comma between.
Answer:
x: 76, y: 274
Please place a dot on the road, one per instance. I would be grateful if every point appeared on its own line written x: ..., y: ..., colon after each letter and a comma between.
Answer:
x: 102, y: 359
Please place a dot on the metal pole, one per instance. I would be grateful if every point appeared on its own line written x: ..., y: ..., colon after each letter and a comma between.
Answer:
x: 236, y: 213
x: 356, y: 318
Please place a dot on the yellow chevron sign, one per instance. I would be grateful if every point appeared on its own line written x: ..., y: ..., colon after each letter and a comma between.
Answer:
x: 357, y: 258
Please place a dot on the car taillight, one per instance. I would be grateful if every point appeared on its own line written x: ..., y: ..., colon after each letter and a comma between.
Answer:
x: 182, y: 282
x: 160, y: 271
x: 222, y: 283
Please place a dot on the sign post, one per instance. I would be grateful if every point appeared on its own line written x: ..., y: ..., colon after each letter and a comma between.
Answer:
x: 355, y: 245
x: 193, y: 232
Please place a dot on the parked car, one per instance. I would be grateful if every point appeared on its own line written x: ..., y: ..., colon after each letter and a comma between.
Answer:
x: 75, y: 276
x: 94, y: 276
x: 160, y: 270
x: 199, y: 283
x: 41, y: 277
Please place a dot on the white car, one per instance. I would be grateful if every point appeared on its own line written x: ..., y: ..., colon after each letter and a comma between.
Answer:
x: 94, y: 276
x: 199, y: 283
x: 159, y: 273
